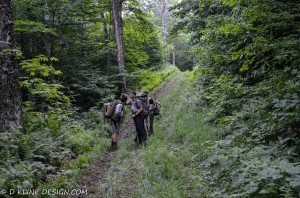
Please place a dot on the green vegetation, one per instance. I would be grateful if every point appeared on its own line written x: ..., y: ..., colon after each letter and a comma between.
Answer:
x: 63, y: 131
x: 151, y: 78
x: 248, y: 80
x: 81, y: 36
x: 57, y: 143
x: 46, y: 152
x: 257, y: 155
x: 229, y: 126
x: 164, y: 167
x: 179, y: 136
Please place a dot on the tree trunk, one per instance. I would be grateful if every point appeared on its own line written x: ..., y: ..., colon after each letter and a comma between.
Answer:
x: 174, y: 56
x: 10, y: 100
x: 165, y: 26
x: 106, y: 34
x: 164, y: 18
x: 105, y: 29
x: 117, y: 14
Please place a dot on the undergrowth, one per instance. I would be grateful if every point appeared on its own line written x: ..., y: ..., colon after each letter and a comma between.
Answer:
x: 151, y: 78
x: 247, y: 79
x: 258, y: 155
x: 57, y: 143
x: 52, y: 153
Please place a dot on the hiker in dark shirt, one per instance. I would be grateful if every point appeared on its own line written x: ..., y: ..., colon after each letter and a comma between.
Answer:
x: 137, y: 110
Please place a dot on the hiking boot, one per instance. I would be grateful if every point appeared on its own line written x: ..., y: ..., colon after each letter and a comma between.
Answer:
x: 112, y: 146
x: 136, y: 140
x: 115, y: 146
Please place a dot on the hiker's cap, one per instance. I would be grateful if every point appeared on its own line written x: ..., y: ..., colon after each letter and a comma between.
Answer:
x: 145, y: 92
x: 132, y: 92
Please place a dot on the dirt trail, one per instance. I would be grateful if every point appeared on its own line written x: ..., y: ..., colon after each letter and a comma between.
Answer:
x: 160, y: 92
x: 96, y: 172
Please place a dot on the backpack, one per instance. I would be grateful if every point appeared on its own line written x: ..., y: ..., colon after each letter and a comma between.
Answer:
x: 157, y: 107
x: 108, y: 109
x: 145, y: 105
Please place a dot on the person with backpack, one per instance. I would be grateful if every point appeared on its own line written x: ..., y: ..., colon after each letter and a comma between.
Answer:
x: 149, y: 105
x: 116, y: 120
x: 137, y: 116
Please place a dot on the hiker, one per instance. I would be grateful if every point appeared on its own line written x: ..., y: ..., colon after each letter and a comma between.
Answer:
x: 116, y: 120
x: 137, y: 110
x: 149, y: 105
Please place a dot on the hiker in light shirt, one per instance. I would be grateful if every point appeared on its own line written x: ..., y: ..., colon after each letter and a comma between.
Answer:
x: 116, y: 120
x: 150, y: 114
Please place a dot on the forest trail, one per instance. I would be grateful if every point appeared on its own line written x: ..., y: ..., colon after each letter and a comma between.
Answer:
x: 96, y: 175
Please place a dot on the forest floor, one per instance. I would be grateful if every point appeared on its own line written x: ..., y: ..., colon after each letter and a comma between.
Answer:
x: 98, y: 178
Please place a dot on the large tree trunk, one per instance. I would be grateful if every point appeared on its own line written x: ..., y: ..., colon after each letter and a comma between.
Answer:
x: 10, y: 100
x: 164, y: 18
x: 163, y: 11
x: 117, y: 14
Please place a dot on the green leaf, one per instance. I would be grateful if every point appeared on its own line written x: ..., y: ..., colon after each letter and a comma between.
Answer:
x: 293, y: 170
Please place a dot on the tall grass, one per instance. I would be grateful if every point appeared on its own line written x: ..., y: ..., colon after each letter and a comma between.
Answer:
x: 179, y: 137
x: 150, y: 79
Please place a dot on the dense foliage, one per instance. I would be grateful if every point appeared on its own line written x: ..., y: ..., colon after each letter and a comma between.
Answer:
x: 57, y: 142
x: 81, y: 35
x: 149, y: 79
x: 235, y: 129
x: 248, y: 76
x: 63, y: 131
x: 53, y: 145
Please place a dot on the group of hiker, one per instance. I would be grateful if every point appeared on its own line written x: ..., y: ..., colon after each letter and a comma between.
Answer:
x: 143, y: 109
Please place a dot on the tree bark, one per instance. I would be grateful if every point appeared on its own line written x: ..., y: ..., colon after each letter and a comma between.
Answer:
x: 164, y: 18
x: 105, y: 29
x: 10, y: 100
x: 174, y: 56
x: 163, y: 12
x: 117, y: 15
x: 106, y: 34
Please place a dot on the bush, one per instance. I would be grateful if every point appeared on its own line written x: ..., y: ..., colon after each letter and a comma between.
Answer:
x: 247, y: 80
x: 52, y: 138
x: 260, y: 143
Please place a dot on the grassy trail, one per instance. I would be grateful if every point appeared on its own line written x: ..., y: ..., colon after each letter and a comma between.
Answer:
x: 99, y: 172
x: 165, y: 166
